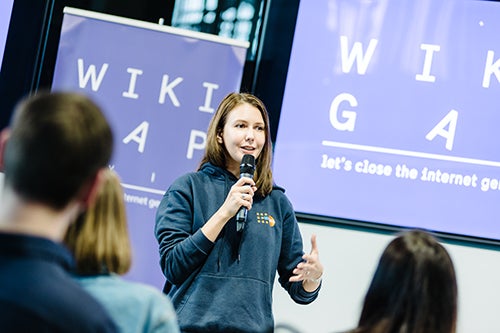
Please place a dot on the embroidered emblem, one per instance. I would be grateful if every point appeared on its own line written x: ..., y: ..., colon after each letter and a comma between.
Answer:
x: 265, y: 218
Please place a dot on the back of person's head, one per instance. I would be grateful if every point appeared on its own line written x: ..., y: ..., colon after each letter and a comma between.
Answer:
x: 413, y: 290
x: 216, y: 152
x: 99, y: 238
x: 57, y: 142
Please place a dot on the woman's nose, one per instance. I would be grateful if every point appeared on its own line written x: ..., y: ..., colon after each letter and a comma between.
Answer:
x: 249, y: 134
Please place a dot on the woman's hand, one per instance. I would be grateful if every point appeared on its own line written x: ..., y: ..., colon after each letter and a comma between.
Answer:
x: 310, y: 270
x: 240, y: 195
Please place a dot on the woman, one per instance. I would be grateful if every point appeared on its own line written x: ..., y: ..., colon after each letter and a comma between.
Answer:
x: 221, y: 279
x: 100, y: 243
x: 414, y: 289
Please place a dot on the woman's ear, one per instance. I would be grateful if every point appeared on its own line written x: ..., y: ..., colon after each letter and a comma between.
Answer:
x: 219, y: 138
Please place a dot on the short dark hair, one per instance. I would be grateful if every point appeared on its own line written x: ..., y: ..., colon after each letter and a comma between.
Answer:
x: 414, y: 288
x: 57, y: 142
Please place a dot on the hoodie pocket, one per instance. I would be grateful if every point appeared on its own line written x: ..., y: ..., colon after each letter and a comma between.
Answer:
x: 222, y: 303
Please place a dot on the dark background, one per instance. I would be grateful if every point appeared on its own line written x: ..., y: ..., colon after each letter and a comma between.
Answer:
x: 33, y: 37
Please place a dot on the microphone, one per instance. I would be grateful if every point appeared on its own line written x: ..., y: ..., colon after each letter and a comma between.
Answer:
x: 247, y: 168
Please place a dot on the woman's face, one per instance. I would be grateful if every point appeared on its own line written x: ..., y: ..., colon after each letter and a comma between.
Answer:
x: 243, y: 133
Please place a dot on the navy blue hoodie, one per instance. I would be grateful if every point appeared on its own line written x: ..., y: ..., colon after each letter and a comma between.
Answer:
x: 38, y: 294
x: 226, y: 286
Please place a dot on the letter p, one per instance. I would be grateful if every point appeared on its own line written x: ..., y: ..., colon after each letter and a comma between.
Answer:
x: 197, y: 141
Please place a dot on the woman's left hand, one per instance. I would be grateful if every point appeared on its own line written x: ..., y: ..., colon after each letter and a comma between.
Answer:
x: 311, y: 268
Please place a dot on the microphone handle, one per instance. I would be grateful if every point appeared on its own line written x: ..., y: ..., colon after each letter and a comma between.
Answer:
x: 241, y: 216
x: 244, y: 174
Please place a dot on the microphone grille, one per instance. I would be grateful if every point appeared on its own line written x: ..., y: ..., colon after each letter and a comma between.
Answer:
x: 247, y: 164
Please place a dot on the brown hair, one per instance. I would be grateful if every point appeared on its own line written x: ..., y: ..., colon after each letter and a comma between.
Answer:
x: 58, y: 142
x: 99, y: 238
x: 216, y: 152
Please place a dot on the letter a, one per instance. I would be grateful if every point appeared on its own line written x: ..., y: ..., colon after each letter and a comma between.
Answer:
x: 139, y: 135
x: 449, y: 120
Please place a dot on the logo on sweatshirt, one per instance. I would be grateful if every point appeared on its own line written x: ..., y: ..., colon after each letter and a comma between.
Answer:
x: 265, y: 218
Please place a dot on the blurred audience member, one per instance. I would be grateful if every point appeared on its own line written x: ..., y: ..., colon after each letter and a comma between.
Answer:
x: 52, y: 155
x: 101, y: 246
x: 414, y: 288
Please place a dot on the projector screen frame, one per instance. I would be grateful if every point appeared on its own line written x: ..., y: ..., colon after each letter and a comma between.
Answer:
x: 272, y: 73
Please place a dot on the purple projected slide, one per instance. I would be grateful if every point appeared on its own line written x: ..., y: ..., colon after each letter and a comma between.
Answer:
x: 391, y: 114
x: 5, y: 12
x: 159, y: 87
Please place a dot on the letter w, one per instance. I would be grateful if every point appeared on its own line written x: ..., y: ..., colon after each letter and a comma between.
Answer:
x: 83, y: 78
x: 356, y: 54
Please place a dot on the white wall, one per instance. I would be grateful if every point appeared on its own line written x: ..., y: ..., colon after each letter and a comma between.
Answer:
x: 350, y: 257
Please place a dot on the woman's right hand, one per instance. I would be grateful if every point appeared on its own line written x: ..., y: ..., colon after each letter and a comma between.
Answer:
x: 240, y: 195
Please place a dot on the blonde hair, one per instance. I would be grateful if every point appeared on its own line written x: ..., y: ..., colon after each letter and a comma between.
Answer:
x: 216, y: 152
x: 99, y: 238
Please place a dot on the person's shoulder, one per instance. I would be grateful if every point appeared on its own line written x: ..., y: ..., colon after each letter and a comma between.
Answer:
x: 145, y: 294
x: 81, y: 309
x: 124, y: 286
x: 278, y: 193
x: 113, y: 289
x: 22, y: 319
x: 43, y: 290
x: 207, y: 172
x: 279, y: 189
x: 144, y: 289
x: 184, y: 181
x: 185, y: 177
